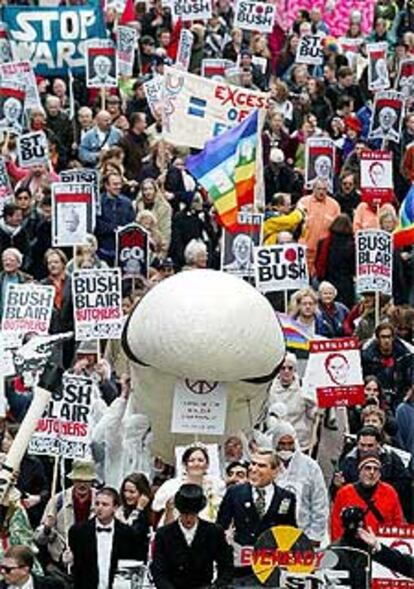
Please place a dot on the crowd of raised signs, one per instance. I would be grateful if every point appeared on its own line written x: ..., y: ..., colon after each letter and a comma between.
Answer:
x: 329, y: 171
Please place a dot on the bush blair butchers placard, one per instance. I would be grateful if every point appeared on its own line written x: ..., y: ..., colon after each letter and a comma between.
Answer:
x: 280, y: 267
x: 27, y: 308
x: 373, y: 261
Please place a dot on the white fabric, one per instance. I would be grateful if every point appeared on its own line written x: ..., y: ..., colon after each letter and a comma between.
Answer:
x: 189, y: 533
x: 269, y: 492
x: 104, y: 541
x: 27, y: 585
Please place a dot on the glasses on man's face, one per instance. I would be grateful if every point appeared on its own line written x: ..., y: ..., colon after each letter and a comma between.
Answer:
x: 8, y: 569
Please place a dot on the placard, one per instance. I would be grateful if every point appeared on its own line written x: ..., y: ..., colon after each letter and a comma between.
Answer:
x: 154, y: 90
x: 190, y: 9
x: 101, y: 64
x: 132, y: 250
x: 350, y: 48
x: 388, y: 115
x: 334, y: 371
x: 21, y: 73
x: 97, y: 302
x: 81, y: 176
x: 11, y: 109
x: 376, y: 177
x: 6, y: 190
x: 52, y: 39
x: 400, y: 538
x: 32, y: 149
x: 255, y: 16
x: 309, y: 50
x: 5, y: 48
x: 215, y: 68
x: 199, y: 407
x: 185, y: 46
x: 319, y: 161
x: 405, y: 80
x: 27, y: 309
x: 280, y: 267
x: 73, y: 213
x: 373, y: 261
x: 64, y: 428
x: 238, y: 246
x: 378, y: 75
x: 126, y: 43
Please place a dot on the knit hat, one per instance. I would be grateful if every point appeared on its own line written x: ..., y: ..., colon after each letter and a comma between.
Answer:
x: 372, y: 459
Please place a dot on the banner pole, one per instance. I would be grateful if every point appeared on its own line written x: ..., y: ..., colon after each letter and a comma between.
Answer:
x: 286, y: 300
x: 55, y: 476
x: 377, y: 308
x: 103, y: 99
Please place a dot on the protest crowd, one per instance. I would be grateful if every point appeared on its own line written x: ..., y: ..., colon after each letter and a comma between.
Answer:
x: 207, y: 294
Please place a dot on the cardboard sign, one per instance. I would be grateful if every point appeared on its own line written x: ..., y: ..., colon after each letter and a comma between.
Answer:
x: 405, y: 81
x: 350, y: 48
x: 215, y: 68
x: 376, y: 177
x: 154, y: 90
x: 373, y: 261
x: 126, y: 43
x: 199, y: 407
x: 387, y: 117
x: 334, y: 372
x: 64, y: 428
x: 197, y: 109
x: 238, y: 247
x: 190, y: 9
x: 81, y: 176
x: 6, y: 190
x: 27, y: 309
x: 32, y: 149
x: 73, y: 213
x: 101, y: 64
x: 319, y: 161
x: 5, y: 48
x: 400, y: 538
x: 255, y: 16
x: 21, y: 73
x: 11, y: 109
x: 132, y: 250
x: 97, y: 302
x: 52, y: 39
x: 378, y: 75
x: 309, y: 50
x: 280, y: 267
x: 185, y: 46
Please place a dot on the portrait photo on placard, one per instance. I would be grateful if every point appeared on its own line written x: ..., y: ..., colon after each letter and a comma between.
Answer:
x: 101, y: 67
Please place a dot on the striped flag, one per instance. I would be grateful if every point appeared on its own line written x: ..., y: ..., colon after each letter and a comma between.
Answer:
x: 226, y: 168
x: 404, y: 232
x: 295, y: 335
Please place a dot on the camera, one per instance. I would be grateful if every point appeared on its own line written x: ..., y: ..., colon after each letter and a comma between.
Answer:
x: 352, y: 519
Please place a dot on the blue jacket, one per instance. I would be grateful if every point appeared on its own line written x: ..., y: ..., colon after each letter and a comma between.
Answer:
x: 331, y: 325
x: 115, y: 212
x: 91, y: 145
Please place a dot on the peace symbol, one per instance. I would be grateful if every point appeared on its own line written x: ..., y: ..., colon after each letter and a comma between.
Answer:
x: 200, y: 387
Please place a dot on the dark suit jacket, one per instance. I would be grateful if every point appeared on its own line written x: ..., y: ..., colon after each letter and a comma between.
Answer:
x: 176, y: 565
x: 238, y: 507
x: 82, y: 542
x: 40, y: 583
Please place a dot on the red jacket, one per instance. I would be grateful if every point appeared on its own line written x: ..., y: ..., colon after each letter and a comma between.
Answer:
x: 385, y: 499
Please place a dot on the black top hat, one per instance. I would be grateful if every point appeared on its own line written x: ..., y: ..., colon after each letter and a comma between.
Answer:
x: 190, y: 499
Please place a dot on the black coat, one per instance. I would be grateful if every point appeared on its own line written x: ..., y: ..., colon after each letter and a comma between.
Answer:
x: 238, y: 507
x: 395, y: 560
x: 176, y: 565
x: 41, y: 583
x: 340, y: 267
x: 82, y: 542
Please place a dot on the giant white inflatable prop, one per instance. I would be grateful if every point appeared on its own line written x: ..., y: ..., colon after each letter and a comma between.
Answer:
x: 202, y: 325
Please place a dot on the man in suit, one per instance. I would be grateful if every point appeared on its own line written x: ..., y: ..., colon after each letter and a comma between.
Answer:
x: 16, y: 569
x: 257, y: 505
x: 100, y: 543
x: 186, y: 550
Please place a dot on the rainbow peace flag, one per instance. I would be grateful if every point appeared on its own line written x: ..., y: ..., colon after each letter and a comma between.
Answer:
x: 295, y: 336
x: 226, y: 168
x: 404, y: 233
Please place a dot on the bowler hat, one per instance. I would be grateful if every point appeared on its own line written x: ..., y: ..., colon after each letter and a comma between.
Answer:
x: 190, y: 499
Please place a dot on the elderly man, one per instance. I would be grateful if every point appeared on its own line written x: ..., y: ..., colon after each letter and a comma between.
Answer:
x: 85, y: 124
x: 321, y: 210
x: 59, y: 123
x: 101, y: 137
x: 12, y: 260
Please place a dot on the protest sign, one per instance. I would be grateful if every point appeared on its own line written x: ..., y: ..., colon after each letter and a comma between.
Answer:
x: 309, y: 50
x: 27, y: 308
x: 11, y: 109
x: 376, y: 177
x: 101, y: 64
x: 21, y: 73
x: 215, y: 68
x: 378, y: 76
x: 73, y: 213
x: 126, y: 43
x: 185, y: 46
x: 32, y: 149
x: 199, y: 407
x: 154, y: 90
x: 280, y: 267
x: 388, y: 115
x: 5, y: 48
x: 373, y: 261
x: 350, y: 48
x: 254, y: 16
x: 190, y: 9
x: 238, y: 246
x: 53, y: 38
x: 405, y: 80
x: 334, y: 372
x: 64, y: 429
x: 319, y: 161
x: 197, y: 110
x: 261, y: 63
x: 97, y: 302
x: 400, y: 538
x: 6, y: 190
x: 81, y: 176
x: 132, y: 250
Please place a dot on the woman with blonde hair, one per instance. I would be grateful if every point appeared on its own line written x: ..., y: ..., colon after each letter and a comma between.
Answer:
x: 85, y: 256
x: 148, y: 221
x: 151, y: 198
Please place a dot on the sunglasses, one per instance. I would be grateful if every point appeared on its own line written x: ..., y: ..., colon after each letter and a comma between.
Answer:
x: 8, y: 569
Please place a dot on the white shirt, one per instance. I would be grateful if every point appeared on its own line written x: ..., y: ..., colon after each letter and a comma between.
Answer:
x: 104, y: 542
x: 189, y: 533
x: 27, y: 585
x: 269, y: 492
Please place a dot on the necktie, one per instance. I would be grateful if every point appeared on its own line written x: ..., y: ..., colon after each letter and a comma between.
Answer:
x: 98, y: 529
x: 260, y: 502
